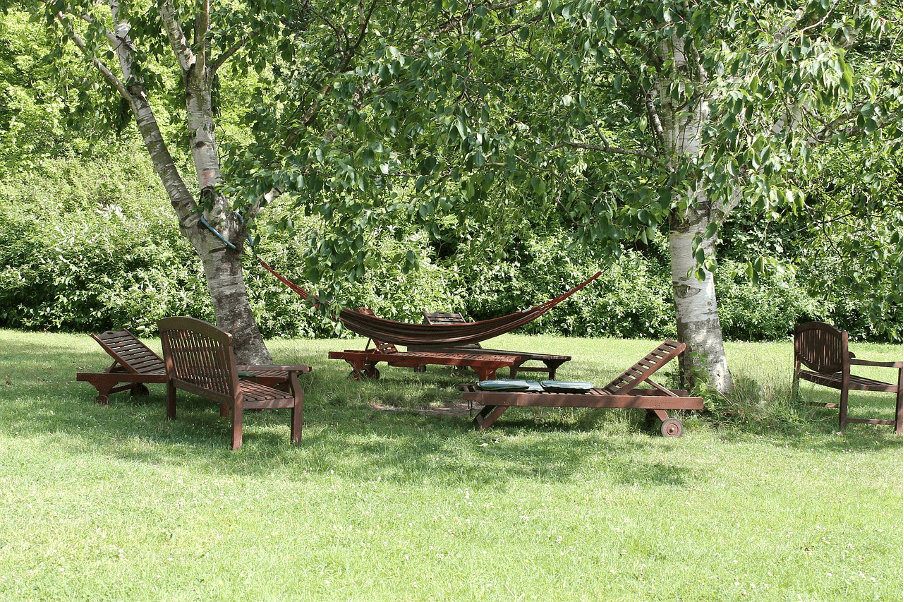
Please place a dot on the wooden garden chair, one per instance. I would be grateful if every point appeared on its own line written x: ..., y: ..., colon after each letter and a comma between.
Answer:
x: 821, y: 356
x: 199, y: 359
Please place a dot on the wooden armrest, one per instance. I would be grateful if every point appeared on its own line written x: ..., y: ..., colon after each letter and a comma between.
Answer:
x: 856, y: 362
x: 291, y: 368
x: 286, y: 368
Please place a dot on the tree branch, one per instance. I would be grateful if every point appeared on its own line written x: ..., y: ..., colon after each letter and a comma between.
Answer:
x: 176, y: 36
x: 98, y: 64
x: 615, y: 150
x: 215, y: 64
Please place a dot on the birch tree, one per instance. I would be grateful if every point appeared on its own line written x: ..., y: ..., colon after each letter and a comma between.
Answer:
x: 166, y: 61
x: 132, y: 49
x: 619, y: 118
x: 737, y: 102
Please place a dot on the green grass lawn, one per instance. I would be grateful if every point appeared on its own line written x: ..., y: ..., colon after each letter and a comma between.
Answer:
x: 764, y: 501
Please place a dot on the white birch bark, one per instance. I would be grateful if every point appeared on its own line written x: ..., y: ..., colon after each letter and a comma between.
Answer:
x: 221, y: 262
x: 695, y: 301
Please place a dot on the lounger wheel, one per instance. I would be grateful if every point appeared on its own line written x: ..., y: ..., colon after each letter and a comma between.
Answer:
x: 671, y: 427
x: 102, y: 399
x: 140, y: 389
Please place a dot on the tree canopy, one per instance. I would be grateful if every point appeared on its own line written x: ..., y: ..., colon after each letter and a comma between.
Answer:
x: 474, y: 122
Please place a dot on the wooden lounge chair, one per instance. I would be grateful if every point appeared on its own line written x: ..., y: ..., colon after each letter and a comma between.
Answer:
x: 550, y: 362
x: 624, y: 391
x: 364, y: 362
x: 199, y: 359
x: 135, y: 365
x: 823, y: 350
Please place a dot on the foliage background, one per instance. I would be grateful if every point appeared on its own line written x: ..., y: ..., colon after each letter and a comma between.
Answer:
x: 89, y: 244
x: 88, y: 241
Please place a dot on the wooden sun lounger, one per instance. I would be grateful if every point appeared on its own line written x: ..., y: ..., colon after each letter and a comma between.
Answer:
x: 623, y: 392
x: 364, y: 362
x: 550, y: 362
x: 135, y: 365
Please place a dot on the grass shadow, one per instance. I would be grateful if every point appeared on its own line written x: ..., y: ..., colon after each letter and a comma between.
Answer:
x: 343, y: 432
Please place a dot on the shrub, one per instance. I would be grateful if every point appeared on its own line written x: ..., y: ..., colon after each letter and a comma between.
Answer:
x: 91, y: 246
x: 766, y: 311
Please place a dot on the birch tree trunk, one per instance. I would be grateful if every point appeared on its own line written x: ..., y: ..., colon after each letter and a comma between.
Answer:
x: 219, y: 246
x: 695, y: 303
x: 682, y: 114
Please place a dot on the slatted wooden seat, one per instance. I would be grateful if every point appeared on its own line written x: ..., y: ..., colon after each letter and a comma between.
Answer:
x: 625, y: 391
x: 821, y: 356
x: 550, y: 362
x: 135, y: 366
x: 199, y: 359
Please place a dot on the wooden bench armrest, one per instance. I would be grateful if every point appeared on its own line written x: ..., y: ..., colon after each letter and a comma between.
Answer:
x: 859, y: 362
x: 300, y: 368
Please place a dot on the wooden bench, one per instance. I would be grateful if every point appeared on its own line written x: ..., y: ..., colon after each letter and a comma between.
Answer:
x: 550, y: 362
x: 821, y: 356
x: 625, y: 391
x: 199, y: 358
x: 135, y: 366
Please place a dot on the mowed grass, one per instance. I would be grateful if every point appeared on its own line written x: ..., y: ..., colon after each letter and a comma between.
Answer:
x: 763, y: 500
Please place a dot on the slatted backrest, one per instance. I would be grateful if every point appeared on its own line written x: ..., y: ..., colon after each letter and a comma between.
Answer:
x: 820, y: 347
x: 382, y: 346
x: 132, y: 354
x: 646, y: 367
x: 199, y: 357
x: 441, y: 318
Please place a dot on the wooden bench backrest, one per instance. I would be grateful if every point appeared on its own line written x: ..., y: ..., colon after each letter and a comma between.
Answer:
x: 439, y: 318
x: 625, y: 382
x: 199, y: 357
x: 132, y: 354
x: 820, y: 347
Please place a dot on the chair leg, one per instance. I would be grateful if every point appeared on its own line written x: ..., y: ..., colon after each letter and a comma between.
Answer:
x: 170, y: 400
x: 899, y: 411
x: 297, y: 409
x: 842, y: 409
x: 795, y: 382
x: 297, y: 414
x: 237, y: 425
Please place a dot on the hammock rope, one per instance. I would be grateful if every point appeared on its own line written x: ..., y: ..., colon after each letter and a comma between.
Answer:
x: 408, y: 333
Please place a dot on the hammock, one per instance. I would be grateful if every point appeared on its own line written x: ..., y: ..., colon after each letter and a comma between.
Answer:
x: 407, y: 333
